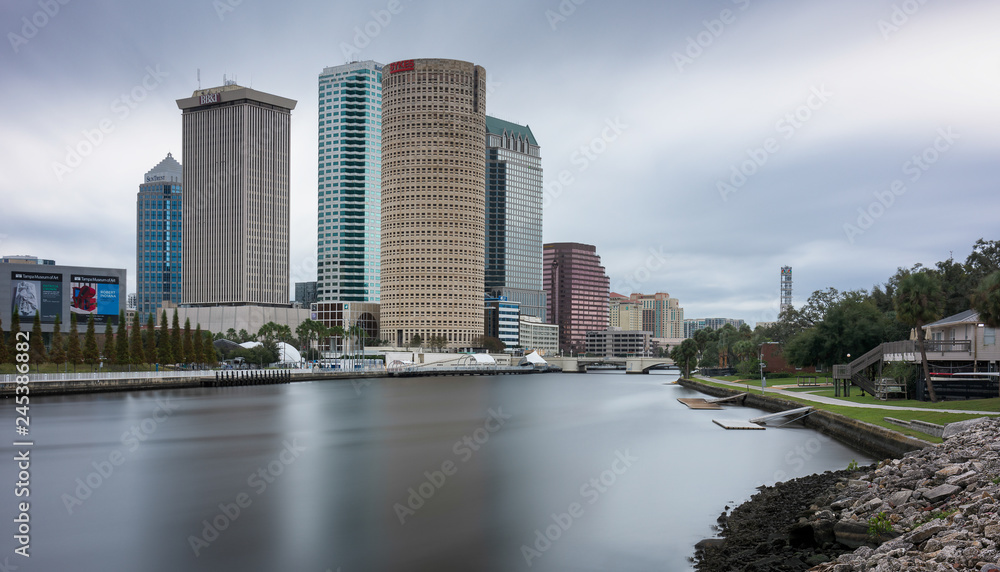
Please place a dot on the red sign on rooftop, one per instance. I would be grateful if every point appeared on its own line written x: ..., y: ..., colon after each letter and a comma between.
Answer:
x: 400, y: 66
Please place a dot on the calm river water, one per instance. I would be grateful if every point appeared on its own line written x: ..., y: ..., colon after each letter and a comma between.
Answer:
x: 596, y: 471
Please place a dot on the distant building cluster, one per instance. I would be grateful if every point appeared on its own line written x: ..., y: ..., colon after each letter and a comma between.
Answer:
x: 693, y: 325
x: 429, y: 226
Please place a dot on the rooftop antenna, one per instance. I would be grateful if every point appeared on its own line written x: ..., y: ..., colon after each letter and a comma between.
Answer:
x: 199, y: 78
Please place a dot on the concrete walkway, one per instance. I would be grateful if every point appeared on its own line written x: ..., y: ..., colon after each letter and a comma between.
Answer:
x: 834, y: 401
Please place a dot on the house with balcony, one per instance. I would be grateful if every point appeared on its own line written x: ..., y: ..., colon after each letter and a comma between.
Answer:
x: 962, y: 354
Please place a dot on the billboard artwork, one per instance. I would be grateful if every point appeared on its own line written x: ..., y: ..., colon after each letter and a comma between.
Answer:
x: 33, y: 292
x: 95, y: 296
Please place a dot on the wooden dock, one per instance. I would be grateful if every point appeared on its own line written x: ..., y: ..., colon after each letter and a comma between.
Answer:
x: 698, y: 403
x: 732, y: 424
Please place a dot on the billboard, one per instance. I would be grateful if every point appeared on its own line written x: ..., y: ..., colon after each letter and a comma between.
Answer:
x: 95, y: 296
x: 33, y: 292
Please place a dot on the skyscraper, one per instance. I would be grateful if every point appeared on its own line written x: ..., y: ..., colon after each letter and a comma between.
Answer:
x: 236, y: 191
x: 578, y: 291
x: 433, y: 200
x: 514, y: 216
x: 349, y: 230
x: 158, y: 232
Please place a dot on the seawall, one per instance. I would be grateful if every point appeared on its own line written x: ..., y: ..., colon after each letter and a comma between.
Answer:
x: 877, y: 442
x: 69, y: 386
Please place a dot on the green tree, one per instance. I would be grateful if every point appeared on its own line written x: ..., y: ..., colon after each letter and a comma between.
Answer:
x: 983, y: 260
x: 37, y: 346
x: 265, y: 354
x: 188, y: 348
x: 198, y: 347
x: 850, y: 325
x: 918, y: 302
x: 135, y: 349
x: 74, y: 354
x: 416, y: 340
x: 57, y: 353
x: 176, y: 345
x: 701, y: 338
x: 122, y: 354
x: 684, y: 354
x: 4, y: 351
x: 304, y: 333
x: 164, y: 351
x: 15, y: 328
x: 710, y: 355
x: 150, y: 339
x: 490, y: 343
x: 90, y: 355
x: 108, y: 350
x: 986, y: 300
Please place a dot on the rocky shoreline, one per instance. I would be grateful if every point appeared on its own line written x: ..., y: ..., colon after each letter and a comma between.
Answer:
x: 936, y: 508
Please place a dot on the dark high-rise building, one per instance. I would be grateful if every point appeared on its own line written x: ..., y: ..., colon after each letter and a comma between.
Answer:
x: 305, y: 293
x: 158, y: 232
x: 514, y: 216
x: 578, y: 291
x: 433, y: 200
x: 236, y: 194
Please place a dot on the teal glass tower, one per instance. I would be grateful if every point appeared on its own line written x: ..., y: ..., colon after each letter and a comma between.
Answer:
x: 349, y: 177
x: 159, y: 207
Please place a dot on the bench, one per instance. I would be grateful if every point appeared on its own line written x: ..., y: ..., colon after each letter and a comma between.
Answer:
x: 807, y: 381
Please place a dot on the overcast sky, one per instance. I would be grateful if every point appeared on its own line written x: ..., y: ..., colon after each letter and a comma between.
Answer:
x: 700, y: 145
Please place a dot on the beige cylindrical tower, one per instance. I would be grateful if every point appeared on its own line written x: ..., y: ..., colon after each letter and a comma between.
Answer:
x: 433, y: 200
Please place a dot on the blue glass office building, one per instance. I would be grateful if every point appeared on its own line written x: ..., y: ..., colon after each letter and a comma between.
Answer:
x: 514, y: 216
x: 349, y: 233
x: 159, y: 207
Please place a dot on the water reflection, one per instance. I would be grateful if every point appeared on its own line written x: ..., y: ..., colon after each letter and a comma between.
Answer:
x: 598, y: 471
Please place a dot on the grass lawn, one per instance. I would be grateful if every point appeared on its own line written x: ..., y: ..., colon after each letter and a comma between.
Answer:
x: 876, y: 416
x: 992, y: 404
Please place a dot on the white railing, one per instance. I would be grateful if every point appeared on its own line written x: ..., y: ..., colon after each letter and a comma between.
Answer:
x: 83, y: 376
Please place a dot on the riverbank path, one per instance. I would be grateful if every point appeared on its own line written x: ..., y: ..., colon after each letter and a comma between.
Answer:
x: 834, y: 401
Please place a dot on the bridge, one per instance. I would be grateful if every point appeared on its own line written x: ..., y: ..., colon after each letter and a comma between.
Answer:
x: 630, y: 364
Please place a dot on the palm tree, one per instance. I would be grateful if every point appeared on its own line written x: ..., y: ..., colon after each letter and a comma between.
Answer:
x: 986, y: 300
x: 918, y: 302
x: 683, y: 354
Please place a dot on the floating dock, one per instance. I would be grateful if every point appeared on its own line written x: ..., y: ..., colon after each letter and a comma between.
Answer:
x: 731, y: 424
x: 698, y: 403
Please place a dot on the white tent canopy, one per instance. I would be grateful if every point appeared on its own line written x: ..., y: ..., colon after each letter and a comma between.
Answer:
x: 477, y: 359
x: 535, y: 359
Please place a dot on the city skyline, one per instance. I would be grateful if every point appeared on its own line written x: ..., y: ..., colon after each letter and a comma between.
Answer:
x: 723, y: 118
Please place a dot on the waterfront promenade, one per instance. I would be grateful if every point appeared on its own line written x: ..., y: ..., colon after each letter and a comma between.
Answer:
x: 808, y: 396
